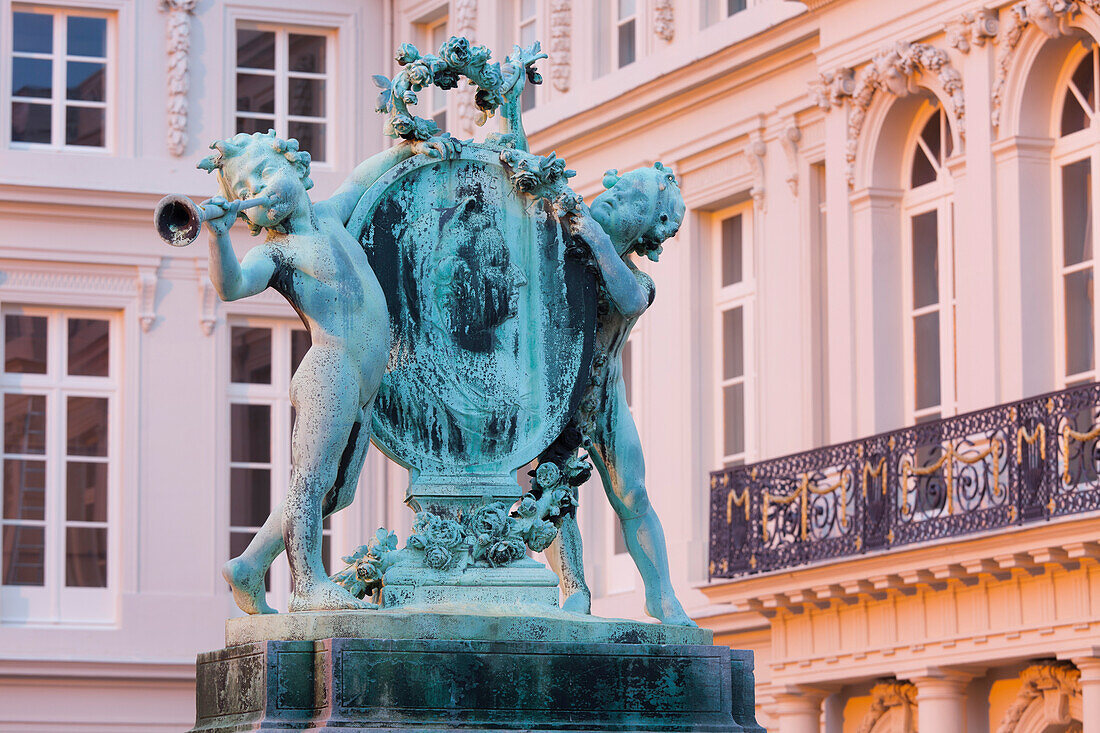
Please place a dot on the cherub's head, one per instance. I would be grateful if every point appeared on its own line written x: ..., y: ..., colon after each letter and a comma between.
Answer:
x: 640, y: 210
x: 261, y: 164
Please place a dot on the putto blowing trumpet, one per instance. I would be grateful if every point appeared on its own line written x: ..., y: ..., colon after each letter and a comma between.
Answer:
x: 179, y: 219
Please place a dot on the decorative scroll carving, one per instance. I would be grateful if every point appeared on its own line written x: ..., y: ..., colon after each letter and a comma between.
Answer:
x: 789, y: 140
x: 831, y: 89
x: 465, y: 13
x: 894, y: 70
x: 972, y: 28
x: 179, y: 75
x: 561, y: 43
x: 1053, y: 683
x: 663, y: 21
x: 888, y: 695
x: 755, y: 153
x: 147, y: 296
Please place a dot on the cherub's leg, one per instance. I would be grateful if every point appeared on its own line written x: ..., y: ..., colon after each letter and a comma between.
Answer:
x: 351, y: 465
x: 566, y: 559
x: 245, y: 573
x: 617, y: 455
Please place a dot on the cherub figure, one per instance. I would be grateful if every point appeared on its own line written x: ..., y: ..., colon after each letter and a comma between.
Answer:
x: 317, y: 265
x: 635, y: 215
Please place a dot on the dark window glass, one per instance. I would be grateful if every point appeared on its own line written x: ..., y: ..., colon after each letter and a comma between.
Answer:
x: 1077, y: 212
x: 311, y: 137
x: 32, y: 32
x: 87, y: 426
x: 1083, y: 80
x: 306, y: 53
x: 527, y: 99
x: 25, y: 424
x: 626, y: 43
x: 326, y: 553
x: 87, y: 36
x: 252, y: 124
x: 84, y: 126
x: 251, y: 433
x: 86, y: 557
x: 307, y: 97
x: 25, y: 344
x: 1074, y: 117
x: 255, y: 49
x: 926, y: 352
x: 256, y: 93
x: 24, y: 554
x: 249, y: 496
x: 735, y: 6
x: 931, y: 136
x: 733, y: 343
x: 732, y: 255
x: 24, y: 489
x: 923, y: 171
x: 85, y: 81
x: 1079, y: 326
x: 31, y: 78
x: 250, y: 355
x: 30, y: 123
x: 89, y: 347
x: 926, y: 278
x: 85, y: 491
x: 734, y: 418
x: 299, y: 345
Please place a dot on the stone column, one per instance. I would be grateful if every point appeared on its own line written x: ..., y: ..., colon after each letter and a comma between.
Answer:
x: 1090, y: 693
x: 941, y: 699
x: 798, y: 708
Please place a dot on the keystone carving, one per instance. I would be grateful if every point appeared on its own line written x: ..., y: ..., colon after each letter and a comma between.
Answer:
x: 663, y: 21
x: 561, y: 44
x: 830, y: 90
x: 179, y: 73
x: 1052, y: 683
x: 886, y: 696
x: 147, y: 296
x: 972, y: 28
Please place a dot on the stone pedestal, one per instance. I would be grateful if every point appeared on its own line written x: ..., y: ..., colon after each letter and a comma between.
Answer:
x: 323, y: 671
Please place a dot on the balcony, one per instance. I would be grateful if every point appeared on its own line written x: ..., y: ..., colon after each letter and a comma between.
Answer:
x: 1012, y: 465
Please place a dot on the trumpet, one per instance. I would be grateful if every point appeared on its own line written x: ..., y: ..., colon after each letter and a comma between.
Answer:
x: 179, y: 219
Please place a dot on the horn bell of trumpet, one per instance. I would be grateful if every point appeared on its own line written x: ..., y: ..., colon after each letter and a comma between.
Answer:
x: 178, y: 220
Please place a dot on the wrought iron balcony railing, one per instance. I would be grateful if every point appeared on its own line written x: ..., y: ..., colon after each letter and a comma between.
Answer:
x: 1006, y: 466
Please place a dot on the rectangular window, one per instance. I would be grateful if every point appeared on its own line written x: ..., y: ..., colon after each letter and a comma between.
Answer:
x: 437, y: 34
x: 263, y: 357
x: 626, y: 32
x: 528, y: 33
x: 732, y: 232
x: 283, y: 82
x: 712, y: 11
x: 59, y: 385
x: 1077, y: 271
x: 61, y: 78
x: 925, y: 314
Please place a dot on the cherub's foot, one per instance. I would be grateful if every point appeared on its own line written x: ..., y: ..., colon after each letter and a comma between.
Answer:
x: 324, y: 595
x: 666, y: 609
x: 580, y: 602
x: 247, y: 583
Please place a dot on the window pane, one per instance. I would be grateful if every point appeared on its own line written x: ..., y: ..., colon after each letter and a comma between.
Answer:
x: 86, y: 557
x: 733, y: 343
x: 250, y: 427
x: 87, y: 426
x: 85, y: 491
x: 86, y: 81
x: 931, y: 136
x: 25, y: 423
x: 250, y: 355
x: 250, y: 124
x: 299, y: 345
x: 24, y: 555
x: 732, y: 255
x: 733, y: 419
x: 922, y: 172
x: 528, y: 8
x: 307, y: 53
x: 32, y: 78
x: 528, y: 34
x: 256, y: 93
x: 30, y: 123
x: 255, y: 49
x: 926, y: 278
x: 32, y: 32
x: 87, y: 36
x: 1073, y: 115
x: 1082, y: 79
x: 326, y: 553
x: 24, y: 489
x: 249, y: 496
x: 628, y: 372
x: 1079, y: 326
x: 626, y: 43
x: 25, y: 344
x: 527, y: 99
x: 307, y: 97
x: 311, y: 137
x: 84, y: 126
x: 926, y: 359
x: 735, y: 6
x: 1077, y: 212
x: 89, y: 347
x: 627, y: 8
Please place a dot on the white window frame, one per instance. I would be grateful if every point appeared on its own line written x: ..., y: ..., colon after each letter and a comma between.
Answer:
x: 617, y: 23
x: 742, y: 295
x: 1077, y: 146
x: 282, y: 73
x: 530, y: 91
x: 58, y: 101
x: 54, y: 602
x: 939, y: 197
x: 712, y: 12
x: 275, y: 395
x: 434, y: 98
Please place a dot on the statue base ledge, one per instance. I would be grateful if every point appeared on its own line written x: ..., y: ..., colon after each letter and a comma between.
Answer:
x: 457, y: 622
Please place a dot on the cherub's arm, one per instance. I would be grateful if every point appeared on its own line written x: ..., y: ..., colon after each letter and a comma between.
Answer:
x: 511, y: 113
x: 626, y: 293
x: 343, y: 202
x: 234, y: 280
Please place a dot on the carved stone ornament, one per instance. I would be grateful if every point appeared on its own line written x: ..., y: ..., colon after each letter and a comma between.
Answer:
x: 465, y: 13
x: 147, y: 296
x: 664, y: 24
x: 1051, y: 17
x: 1052, y: 683
x: 830, y: 90
x: 561, y: 43
x: 894, y: 71
x: 886, y: 696
x: 789, y: 139
x: 972, y: 28
x: 756, y: 151
x: 179, y: 75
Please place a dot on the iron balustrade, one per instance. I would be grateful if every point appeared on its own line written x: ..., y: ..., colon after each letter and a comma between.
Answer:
x: 1013, y: 464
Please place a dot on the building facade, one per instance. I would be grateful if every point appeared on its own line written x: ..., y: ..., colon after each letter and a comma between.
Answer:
x: 889, y: 227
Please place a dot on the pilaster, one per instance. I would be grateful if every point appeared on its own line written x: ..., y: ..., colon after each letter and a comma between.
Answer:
x: 941, y: 698
x: 798, y: 708
x: 1090, y: 692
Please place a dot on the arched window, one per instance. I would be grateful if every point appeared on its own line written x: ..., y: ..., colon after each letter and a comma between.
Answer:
x: 929, y: 287
x: 1075, y: 158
